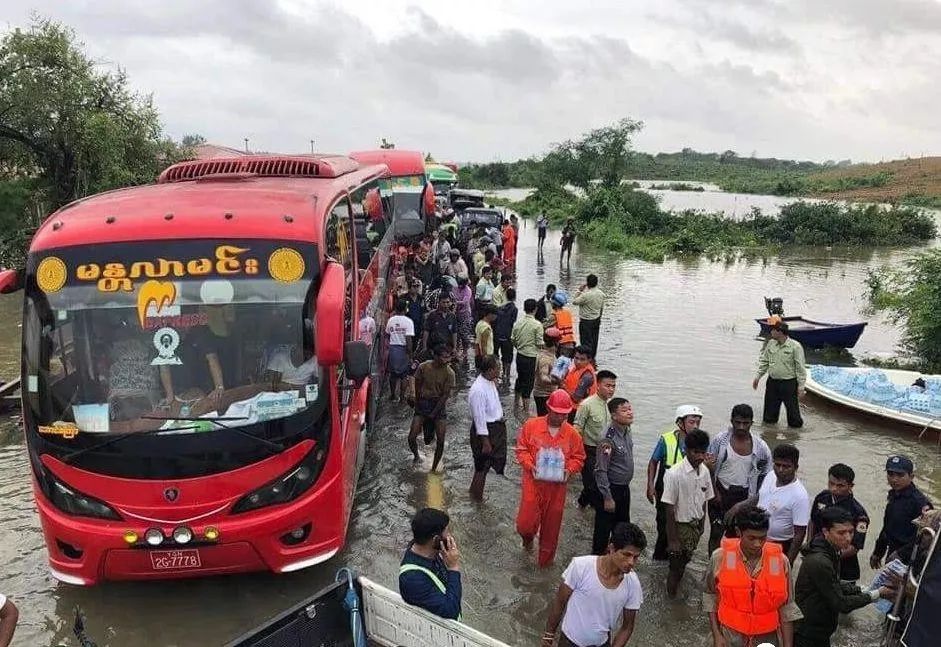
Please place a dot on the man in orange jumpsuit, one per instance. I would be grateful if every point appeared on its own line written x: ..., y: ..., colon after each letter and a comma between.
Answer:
x: 549, y: 450
x: 509, y: 243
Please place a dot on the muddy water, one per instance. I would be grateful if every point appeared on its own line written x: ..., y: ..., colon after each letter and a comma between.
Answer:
x: 674, y: 333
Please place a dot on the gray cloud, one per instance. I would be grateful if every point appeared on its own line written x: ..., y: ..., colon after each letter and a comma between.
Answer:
x: 784, y: 78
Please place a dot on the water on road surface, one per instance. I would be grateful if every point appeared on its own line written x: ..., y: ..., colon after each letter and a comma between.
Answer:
x: 678, y: 332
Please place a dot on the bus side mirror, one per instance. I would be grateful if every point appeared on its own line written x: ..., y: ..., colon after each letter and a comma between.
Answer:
x: 329, y: 317
x: 356, y: 356
x: 10, y: 281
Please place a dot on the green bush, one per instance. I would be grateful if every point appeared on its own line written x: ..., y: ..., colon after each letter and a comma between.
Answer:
x: 911, y: 296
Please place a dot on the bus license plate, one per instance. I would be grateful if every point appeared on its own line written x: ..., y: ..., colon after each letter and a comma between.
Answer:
x: 171, y: 559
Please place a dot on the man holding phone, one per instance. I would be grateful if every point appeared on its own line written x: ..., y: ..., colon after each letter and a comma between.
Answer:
x: 430, y: 572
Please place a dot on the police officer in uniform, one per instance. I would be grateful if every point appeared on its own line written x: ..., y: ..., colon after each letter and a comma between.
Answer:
x: 904, y: 504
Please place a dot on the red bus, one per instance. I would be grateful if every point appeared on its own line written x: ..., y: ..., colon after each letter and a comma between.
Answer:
x: 195, y: 389
x: 406, y: 185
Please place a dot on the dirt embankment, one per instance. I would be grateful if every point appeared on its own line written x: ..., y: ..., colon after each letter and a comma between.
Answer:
x: 884, y: 182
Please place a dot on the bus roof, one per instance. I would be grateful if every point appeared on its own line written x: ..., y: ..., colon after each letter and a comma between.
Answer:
x: 282, y: 199
x: 399, y: 162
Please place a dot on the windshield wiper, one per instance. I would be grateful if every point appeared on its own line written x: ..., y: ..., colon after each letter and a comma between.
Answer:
x: 147, y: 432
x: 264, y: 441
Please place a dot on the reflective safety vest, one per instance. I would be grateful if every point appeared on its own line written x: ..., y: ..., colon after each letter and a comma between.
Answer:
x: 575, y: 376
x: 750, y: 605
x: 674, y: 452
x: 407, y: 568
x: 563, y: 321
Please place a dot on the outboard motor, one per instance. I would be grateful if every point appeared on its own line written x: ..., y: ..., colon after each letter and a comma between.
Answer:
x: 775, y: 306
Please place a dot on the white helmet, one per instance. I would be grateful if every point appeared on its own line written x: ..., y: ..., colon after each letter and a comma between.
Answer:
x: 687, y: 410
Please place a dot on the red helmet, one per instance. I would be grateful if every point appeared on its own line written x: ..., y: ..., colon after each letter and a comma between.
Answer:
x: 559, y: 402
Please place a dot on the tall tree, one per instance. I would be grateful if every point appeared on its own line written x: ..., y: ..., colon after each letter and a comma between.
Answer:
x: 74, y: 127
x: 601, y: 154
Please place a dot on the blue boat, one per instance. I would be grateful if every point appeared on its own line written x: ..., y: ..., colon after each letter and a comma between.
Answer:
x: 812, y: 334
x: 817, y: 334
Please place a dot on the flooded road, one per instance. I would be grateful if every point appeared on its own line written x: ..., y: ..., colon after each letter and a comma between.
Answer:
x: 674, y: 333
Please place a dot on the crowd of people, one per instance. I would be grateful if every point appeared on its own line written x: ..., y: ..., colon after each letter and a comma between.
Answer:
x: 747, y: 498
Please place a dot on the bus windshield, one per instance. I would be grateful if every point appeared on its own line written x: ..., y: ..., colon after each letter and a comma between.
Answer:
x: 139, y: 337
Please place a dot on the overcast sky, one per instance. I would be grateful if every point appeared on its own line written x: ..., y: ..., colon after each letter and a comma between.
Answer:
x: 501, y: 79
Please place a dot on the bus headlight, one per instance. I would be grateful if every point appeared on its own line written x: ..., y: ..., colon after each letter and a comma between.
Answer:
x: 74, y: 502
x: 182, y: 535
x: 288, y: 486
x: 153, y: 537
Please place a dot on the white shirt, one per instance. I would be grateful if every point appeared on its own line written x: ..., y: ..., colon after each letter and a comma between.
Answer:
x: 687, y: 490
x: 788, y: 506
x: 485, y: 406
x: 399, y: 327
x: 594, y: 611
x: 735, y: 470
x: 367, y: 329
x: 280, y: 362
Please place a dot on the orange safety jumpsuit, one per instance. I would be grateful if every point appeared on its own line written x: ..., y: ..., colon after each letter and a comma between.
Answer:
x: 564, y: 322
x: 542, y: 503
x: 509, y: 245
x: 749, y: 605
x: 574, y: 376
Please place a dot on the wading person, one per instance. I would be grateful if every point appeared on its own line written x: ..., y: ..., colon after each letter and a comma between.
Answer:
x: 782, y: 359
x: 434, y: 381
x: 590, y: 302
x: 669, y: 450
x: 818, y: 590
x: 614, y: 470
x: 542, y: 226
x: 488, y: 428
x: 591, y: 421
x: 483, y: 295
x: 544, y: 305
x: 545, y: 383
x: 484, y: 343
x: 580, y: 382
x: 440, y: 327
x: 904, y: 504
x: 430, y: 572
x: 784, y: 497
x: 561, y: 318
x: 748, y: 593
x: 549, y: 451
x: 687, y: 487
x: 839, y: 493
x: 500, y: 292
x: 527, y: 339
x: 598, y: 598
x: 401, y: 332
x: 502, y: 331
x: 463, y: 309
x: 568, y: 240
x: 742, y: 460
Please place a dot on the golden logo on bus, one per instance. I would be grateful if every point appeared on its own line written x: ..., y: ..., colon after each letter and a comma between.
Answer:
x: 51, y: 274
x: 286, y: 265
x: 159, y: 293
x: 119, y: 277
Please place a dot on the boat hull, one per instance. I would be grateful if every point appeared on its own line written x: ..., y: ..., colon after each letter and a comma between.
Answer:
x: 817, y: 334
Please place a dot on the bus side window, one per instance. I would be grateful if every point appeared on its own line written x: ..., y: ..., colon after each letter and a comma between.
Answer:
x: 370, y: 221
x: 338, y: 239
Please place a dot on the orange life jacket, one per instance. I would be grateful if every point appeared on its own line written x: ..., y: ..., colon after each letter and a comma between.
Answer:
x: 575, y: 376
x: 750, y: 605
x: 563, y: 321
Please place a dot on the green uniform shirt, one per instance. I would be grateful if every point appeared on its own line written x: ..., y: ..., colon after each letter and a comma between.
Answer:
x: 592, y: 419
x: 783, y: 361
x: 483, y: 335
x: 499, y: 296
x: 590, y: 303
x: 527, y: 336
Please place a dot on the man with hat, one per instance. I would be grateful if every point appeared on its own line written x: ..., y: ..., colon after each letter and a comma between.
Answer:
x: 782, y: 359
x: 904, y: 504
x: 549, y: 451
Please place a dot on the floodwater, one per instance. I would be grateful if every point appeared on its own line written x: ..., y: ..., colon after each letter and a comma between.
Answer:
x: 677, y: 332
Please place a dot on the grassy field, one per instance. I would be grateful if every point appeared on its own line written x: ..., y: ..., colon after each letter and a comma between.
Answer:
x: 911, y: 181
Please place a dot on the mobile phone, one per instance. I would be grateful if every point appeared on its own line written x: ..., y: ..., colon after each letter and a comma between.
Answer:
x: 438, y: 542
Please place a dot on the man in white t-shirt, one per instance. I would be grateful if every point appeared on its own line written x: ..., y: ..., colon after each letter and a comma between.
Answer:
x: 9, y: 614
x: 401, y: 331
x: 599, y: 592
x: 785, y: 499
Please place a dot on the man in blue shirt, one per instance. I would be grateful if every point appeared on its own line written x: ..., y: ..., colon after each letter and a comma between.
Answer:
x: 904, y: 504
x: 430, y: 573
